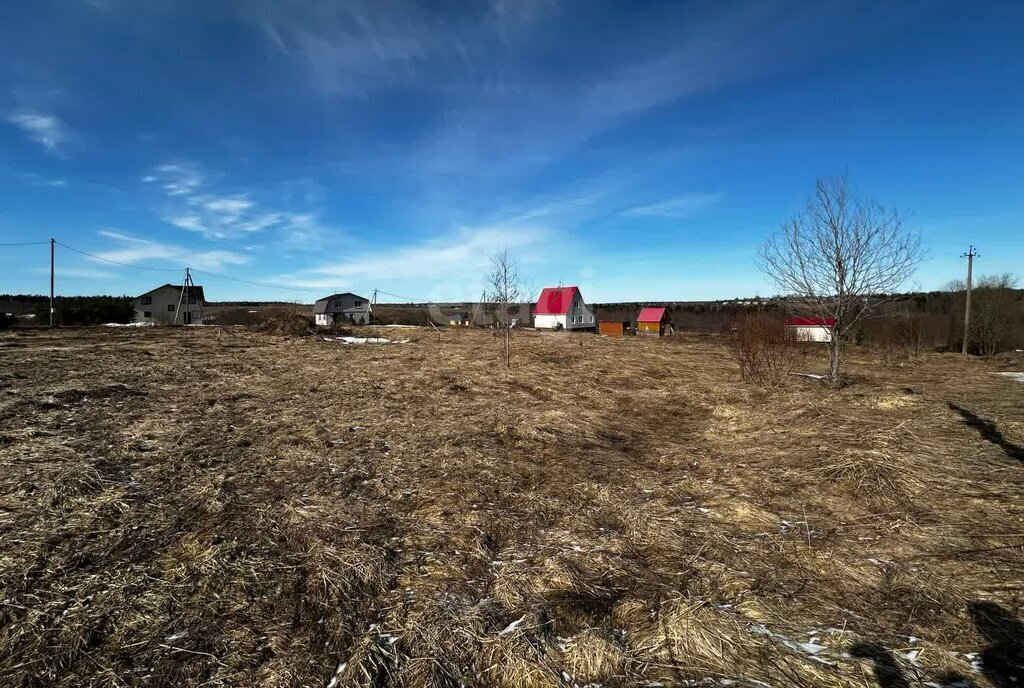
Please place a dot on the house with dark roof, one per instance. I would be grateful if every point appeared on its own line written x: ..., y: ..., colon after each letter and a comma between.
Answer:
x: 339, y: 308
x: 171, y: 304
x: 563, y: 308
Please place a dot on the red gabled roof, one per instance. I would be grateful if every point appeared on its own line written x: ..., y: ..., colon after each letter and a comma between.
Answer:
x: 811, y: 322
x: 555, y: 300
x: 651, y: 315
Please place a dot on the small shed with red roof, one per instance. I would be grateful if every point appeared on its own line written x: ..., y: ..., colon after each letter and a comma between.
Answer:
x: 811, y: 329
x: 652, y: 321
x: 562, y: 308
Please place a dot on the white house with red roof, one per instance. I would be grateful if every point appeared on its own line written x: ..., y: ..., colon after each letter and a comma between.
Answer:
x: 563, y: 308
x: 811, y: 329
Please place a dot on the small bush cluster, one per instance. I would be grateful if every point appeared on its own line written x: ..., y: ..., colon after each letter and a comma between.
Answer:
x: 766, y: 353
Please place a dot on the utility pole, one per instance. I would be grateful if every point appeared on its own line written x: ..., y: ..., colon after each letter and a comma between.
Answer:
x: 52, y: 243
x: 188, y: 292
x: 970, y: 255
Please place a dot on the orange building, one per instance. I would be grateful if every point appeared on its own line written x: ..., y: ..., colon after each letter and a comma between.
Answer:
x: 613, y: 328
x: 652, y: 321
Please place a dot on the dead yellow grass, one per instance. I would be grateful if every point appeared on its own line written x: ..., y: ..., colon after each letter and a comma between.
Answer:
x: 258, y: 509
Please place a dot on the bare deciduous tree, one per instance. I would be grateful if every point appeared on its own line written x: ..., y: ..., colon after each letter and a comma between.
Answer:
x: 504, y: 288
x: 840, y: 258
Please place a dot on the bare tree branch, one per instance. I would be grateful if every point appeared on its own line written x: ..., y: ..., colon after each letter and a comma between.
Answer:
x: 840, y: 258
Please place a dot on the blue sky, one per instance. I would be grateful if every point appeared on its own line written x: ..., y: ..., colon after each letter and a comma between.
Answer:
x: 639, y: 149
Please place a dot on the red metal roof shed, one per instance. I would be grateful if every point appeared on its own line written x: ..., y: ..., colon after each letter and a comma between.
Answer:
x: 651, y: 315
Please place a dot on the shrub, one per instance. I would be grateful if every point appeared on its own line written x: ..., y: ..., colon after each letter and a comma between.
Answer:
x: 898, y: 340
x: 766, y: 353
x: 7, y: 321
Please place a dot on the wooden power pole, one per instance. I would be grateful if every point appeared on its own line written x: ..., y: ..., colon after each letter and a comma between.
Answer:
x: 970, y: 255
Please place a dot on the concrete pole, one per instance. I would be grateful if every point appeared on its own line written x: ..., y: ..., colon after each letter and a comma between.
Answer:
x: 967, y: 307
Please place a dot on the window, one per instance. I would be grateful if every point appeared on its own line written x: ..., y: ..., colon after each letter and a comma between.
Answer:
x: 147, y: 314
x: 146, y: 300
x: 170, y: 306
x: 359, y: 304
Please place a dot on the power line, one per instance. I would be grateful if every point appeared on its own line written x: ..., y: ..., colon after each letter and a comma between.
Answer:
x: 269, y: 285
x: 26, y: 243
x: 416, y: 300
x: 114, y: 262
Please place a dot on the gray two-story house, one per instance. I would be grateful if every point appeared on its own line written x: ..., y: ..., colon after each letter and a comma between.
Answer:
x: 338, y: 308
x: 162, y: 304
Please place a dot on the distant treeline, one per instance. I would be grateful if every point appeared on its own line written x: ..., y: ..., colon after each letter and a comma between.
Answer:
x: 69, y: 310
x: 930, y: 319
x: 255, y: 304
x: 923, y: 320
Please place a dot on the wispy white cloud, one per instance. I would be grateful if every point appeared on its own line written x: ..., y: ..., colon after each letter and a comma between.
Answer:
x: 132, y: 250
x: 495, y: 108
x: 349, y: 50
x: 102, y: 5
x: 77, y: 272
x: 228, y: 206
x: 198, y: 207
x: 176, y: 179
x: 45, y: 129
x: 36, y: 179
x: 678, y: 207
x: 465, y: 251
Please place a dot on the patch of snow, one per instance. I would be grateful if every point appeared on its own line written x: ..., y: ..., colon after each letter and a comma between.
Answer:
x: 911, y: 656
x: 131, y: 324
x: 813, y: 376
x: 810, y: 647
x: 367, y: 340
x: 337, y: 673
x: 511, y: 628
x: 1019, y: 377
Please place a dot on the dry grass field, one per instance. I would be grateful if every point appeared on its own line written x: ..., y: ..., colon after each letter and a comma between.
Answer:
x: 184, y: 508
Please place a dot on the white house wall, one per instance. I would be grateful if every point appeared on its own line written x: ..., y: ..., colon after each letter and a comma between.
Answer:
x: 548, y: 322
x: 163, y: 306
x: 813, y: 333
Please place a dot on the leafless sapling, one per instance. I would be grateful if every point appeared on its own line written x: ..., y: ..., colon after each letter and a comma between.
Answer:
x: 504, y: 288
x: 840, y: 258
